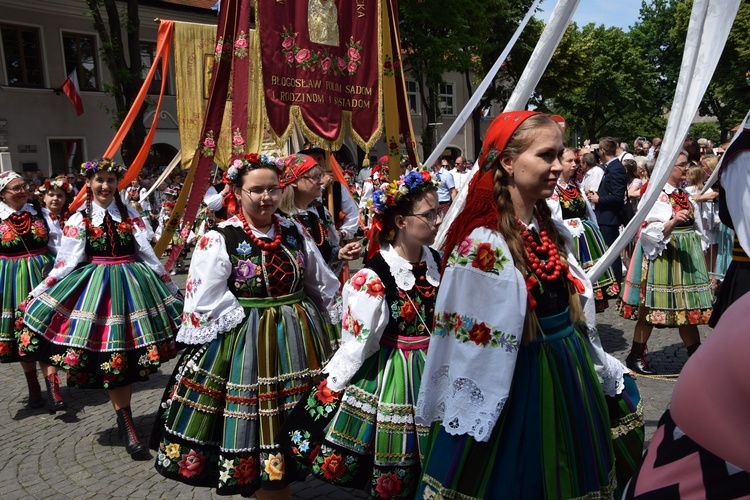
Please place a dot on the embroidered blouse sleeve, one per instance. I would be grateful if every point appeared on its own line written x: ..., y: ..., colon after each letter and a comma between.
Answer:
x: 321, y: 285
x: 652, y: 236
x: 72, y: 252
x: 365, y: 318
x: 553, y: 202
x: 55, y: 232
x: 210, y: 307
x: 145, y: 252
x: 479, y: 315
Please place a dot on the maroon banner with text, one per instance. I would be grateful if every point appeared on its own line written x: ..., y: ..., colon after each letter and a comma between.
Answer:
x: 321, y: 67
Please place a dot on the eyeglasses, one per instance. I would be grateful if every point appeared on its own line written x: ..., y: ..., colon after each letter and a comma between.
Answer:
x: 260, y: 192
x: 430, y: 217
x: 314, y: 178
x: 18, y: 189
x: 683, y: 164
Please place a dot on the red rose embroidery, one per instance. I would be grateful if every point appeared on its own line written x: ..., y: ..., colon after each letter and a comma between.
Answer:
x: 480, y: 334
x: 333, y: 467
x: 485, y: 259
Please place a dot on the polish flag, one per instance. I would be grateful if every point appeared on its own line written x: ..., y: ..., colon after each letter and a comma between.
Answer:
x: 71, y: 89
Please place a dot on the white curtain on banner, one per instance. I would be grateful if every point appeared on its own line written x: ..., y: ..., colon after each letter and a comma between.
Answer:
x: 710, y: 22
x: 540, y: 58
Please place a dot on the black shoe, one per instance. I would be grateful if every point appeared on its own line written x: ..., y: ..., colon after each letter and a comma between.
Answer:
x: 638, y: 365
x: 55, y: 401
x: 126, y: 429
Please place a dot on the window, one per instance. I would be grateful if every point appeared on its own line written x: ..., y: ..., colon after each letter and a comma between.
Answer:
x: 412, y: 95
x: 445, y: 99
x: 148, y: 53
x: 80, y: 55
x: 65, y: 155
x: 23, y: 56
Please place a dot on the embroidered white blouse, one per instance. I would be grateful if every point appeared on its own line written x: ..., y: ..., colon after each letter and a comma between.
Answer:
x: 574, y: 224
x: 72, y: 251
x: 366, y: 313
x: 210, y: 306
x: 479, y: 316
x: 652, y: 236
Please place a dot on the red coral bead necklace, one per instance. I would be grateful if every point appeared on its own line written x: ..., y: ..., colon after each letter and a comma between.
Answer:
x: 263, y: 245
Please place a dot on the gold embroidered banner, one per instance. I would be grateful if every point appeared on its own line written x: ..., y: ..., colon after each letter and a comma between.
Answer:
x: 321, y: 69
x: 196, y: 49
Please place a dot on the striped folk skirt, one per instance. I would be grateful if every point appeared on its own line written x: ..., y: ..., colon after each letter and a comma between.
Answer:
x: 109, y: 323
x: 227, y: 399
x: 365, y: 437
x: 18, y: 276
x: 590, y: 246
x: 672, y: 290
x: 627, y: 424
x: 553, y: 438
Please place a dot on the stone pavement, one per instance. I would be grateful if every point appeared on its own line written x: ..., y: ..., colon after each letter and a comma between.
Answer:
x: 79, y: 455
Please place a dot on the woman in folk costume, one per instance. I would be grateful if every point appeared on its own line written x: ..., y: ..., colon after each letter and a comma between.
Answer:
x: 356, y: 427
x: 515, y: 375
x: 699, y: 449
x: 667, y: 284
x: 257, y: 338
x: 108, y: 312
x: 28, y: 243
x: 301, y: 182
x: 56, y: 196
x: 569, y: 205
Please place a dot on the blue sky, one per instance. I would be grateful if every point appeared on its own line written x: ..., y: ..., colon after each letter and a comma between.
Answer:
x: 620, y: 13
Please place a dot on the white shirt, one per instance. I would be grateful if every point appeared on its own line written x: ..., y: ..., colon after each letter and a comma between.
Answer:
x: 460, y: 178
x: 593, y: 178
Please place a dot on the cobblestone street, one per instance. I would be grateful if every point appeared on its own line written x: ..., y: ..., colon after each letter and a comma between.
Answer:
x: 79, y: 455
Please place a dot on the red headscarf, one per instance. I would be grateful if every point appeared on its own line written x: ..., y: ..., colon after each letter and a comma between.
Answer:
x: 480, y: 209
x: 295, y: 166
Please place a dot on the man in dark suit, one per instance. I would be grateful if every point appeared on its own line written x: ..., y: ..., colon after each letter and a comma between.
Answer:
x: 610, y: 198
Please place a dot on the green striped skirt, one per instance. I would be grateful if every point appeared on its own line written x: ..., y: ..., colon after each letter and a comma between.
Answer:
x: 553, y: 438
x: 18, y: 276
x: 672, y: 290
x: 590, y: 246
x: 227, y: 399
x: 366, y: 436
x: 627, y: 424
x: 107, y: 324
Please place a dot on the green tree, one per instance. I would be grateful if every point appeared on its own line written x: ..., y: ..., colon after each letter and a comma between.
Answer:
x: 708, y: 130
x: 119, y: 35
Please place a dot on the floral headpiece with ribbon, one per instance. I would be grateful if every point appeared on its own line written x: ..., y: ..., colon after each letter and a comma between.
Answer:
x: 249, y: 162
x: 388, y: 195
x: 103, y: 164
x: 295, y: 166
x: 7, y: 177
x: 56, y: 183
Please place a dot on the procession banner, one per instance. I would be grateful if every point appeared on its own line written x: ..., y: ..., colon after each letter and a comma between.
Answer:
x: 321, y: 63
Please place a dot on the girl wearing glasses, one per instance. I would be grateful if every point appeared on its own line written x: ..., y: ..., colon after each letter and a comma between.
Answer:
x: 301, y: 184
x: 28, y: 243
x: 667, y: 284
x: 356, y: 427
x: 107, y: 313
x: 257, y: 335
x: 515, y: 379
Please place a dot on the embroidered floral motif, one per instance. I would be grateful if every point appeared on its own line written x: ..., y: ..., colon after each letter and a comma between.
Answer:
x: 28, y: 340
x: 185, y: 461
x: 336, y: 467
x: 355, y: 328
x: 480, y: 256
x: 191, y: 287
x: 369, y: 283
x: 321, y: 401
x: 73, y: 232
x: 209, y: 144
x: 467, y: 329
x: 301, y: 441
x: 347, y: 63
x: 205, y: 242
x: 238, y: 142
x: 71, y: 359
x: 666, y: 317
x: 196, y: 319
x: 408, y: 318
x: 399, y: 483
x: 273, y: 466
x: 241, y: 45
x: 238, y: 471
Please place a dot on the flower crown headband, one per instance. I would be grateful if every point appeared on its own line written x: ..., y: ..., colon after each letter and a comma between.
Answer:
x: 388, y: 195
x: 252, y: 161
x: 103, y: 164
x: 49, y: 185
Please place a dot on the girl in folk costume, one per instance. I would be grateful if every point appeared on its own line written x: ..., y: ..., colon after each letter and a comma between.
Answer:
x: 108, y: 312
x: 28, y: 243
x: 256, y: 339
x: 667, y: 282
x: 55, y: 196
x: 301, y: 182
x: 515, y: 375
x: 569, y: 205
x: 356, y: 427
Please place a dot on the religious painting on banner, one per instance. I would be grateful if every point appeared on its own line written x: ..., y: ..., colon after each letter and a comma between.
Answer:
x: 321, y: 64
